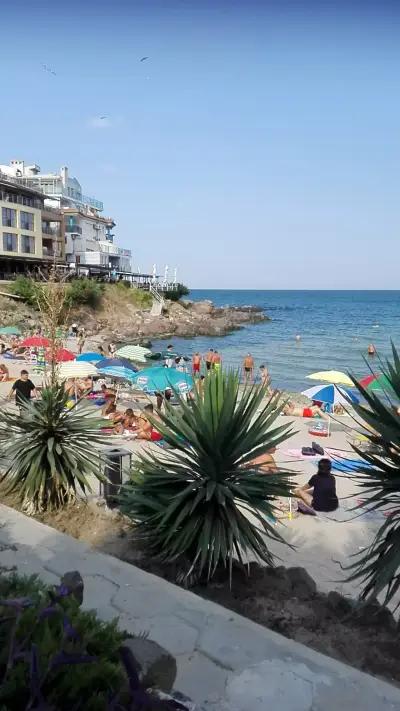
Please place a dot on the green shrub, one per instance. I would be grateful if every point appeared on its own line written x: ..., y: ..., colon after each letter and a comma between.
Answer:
x: 26, y: 288
x: 53, y: 622
x: 377, y: 567
x: 206, y: 503
x: 51, y: 450
x: 177, y: 293
x: 84, y: 292
x: 54, y: 656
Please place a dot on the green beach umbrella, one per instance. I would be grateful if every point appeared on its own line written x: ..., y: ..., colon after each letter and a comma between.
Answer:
x: 10, y: 331
x: 137, y: 353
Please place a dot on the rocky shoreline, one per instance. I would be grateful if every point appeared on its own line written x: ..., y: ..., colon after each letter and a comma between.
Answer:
x: 124, y: 321
x: 185, y: 319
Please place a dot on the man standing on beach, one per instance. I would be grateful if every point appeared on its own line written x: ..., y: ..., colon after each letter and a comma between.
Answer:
x: 196, y: 364
x: 170, y: 360
x: 23, y: 388
x: 248, y: 368
x: 209, y: 359
x: 216, y: 361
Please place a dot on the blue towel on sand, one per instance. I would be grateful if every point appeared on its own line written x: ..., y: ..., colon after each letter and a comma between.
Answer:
x: 349, y: 465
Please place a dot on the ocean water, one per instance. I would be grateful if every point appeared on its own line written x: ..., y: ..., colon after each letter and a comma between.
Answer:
x: 335, y: 328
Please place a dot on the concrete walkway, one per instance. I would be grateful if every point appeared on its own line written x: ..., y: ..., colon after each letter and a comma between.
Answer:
x: 225, y: 662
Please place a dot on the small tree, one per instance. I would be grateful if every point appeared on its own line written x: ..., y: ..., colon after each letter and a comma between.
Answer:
x: 206, y: 503
x: 52, y: 449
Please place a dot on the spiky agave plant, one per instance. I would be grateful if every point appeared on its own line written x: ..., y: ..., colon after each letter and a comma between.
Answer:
x: 48, y: 451
x: 378, y: 566
x: 204, y: 502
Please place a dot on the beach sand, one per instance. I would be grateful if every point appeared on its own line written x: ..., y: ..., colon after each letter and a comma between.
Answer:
x: 320, y: 542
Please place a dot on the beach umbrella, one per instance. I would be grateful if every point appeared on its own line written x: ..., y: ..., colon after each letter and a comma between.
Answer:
x: 36, y: 341
x: 137, y: 353
x: 330, y: 394
x: 116, y: 363
x: 118, y: 372
x: 62, y: 355
x: 89, y: 357
x: 10, y: 331
x: 158, y: 379
x: 376, y: 382
x: 332, y: 376
x: 76, y: 369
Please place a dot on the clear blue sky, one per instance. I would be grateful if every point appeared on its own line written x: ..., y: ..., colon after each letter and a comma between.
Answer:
x: 257, y: 147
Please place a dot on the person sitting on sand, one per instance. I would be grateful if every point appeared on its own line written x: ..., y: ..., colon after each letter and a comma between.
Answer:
x: 4, y: 373
x: 109, y: 409
x: 319, y: 494
x: 297, y: 411
x: 107, y: 393
x: 145, y: 427
x: 264, y: 463
x: 125, y: 421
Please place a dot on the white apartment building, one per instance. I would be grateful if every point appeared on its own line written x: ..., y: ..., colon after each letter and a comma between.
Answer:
x: 89, y: 239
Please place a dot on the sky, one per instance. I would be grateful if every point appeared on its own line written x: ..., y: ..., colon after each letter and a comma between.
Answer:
x: 258, y: 146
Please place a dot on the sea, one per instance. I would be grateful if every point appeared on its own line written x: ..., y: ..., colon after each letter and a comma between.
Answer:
x: 335, y: 328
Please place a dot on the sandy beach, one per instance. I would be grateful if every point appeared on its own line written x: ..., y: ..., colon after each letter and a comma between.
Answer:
x: 320, y: 542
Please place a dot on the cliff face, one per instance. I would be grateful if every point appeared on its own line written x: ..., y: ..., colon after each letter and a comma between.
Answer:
x: 119, y: 318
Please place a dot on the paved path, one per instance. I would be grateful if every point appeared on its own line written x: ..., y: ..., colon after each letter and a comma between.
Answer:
x: 225, y: 662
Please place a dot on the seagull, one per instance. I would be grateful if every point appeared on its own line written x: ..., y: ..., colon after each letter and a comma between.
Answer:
x: 48, y: 69
x: 143, y: 59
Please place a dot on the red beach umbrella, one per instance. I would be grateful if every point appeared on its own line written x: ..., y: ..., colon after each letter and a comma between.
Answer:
x: 36, y: 341
x: 62, y: 355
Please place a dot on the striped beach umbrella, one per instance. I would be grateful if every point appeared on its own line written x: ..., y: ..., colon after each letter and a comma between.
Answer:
x: 77, y: 369
x: 137, y: 353
x: 330, y: 394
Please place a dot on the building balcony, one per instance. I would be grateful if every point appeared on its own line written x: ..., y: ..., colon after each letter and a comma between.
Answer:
x: 51, y: 232
x: 73, y: 229
x: 48, y: 252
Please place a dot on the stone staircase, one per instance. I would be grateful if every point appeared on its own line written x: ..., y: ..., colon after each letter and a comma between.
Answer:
x: 158, y: 302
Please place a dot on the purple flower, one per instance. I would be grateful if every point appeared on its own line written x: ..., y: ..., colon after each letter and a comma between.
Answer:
x: 47, y: 612
x: 69, y: 631
x: 64, y: 658
x: 18, y: 603
x: 62, y: 590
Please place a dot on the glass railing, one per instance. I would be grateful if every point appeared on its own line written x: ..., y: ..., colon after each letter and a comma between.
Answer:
x: 74, y: 229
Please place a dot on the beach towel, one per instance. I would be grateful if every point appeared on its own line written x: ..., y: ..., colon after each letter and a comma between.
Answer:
x: 349, y: 465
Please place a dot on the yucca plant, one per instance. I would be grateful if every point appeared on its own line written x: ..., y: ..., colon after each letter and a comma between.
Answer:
x: 204, y: 503
x: 49, y: 451
x: 378, y: 566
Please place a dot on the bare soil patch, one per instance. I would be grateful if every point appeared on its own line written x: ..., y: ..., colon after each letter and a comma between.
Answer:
x: 284, y: 599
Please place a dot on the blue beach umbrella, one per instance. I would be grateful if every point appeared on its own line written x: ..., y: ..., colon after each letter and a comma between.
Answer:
x: 117, y: 363
x: 330, y: 394
x: 89, y: 357
x: 158, y: 379
x: 118, y: 372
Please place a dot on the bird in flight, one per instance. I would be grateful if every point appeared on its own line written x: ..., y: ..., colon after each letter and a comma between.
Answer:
x: 102, y: 118
x: 143, y: 59
x: 48, y: 69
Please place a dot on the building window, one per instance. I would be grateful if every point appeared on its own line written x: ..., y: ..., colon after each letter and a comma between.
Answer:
x: 27, y: 221
x: 27, y: 244
x: 9, y: 217
x: 10, y: 242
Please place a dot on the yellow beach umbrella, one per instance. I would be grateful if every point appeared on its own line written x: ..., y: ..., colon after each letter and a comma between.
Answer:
x: 332, y: 376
